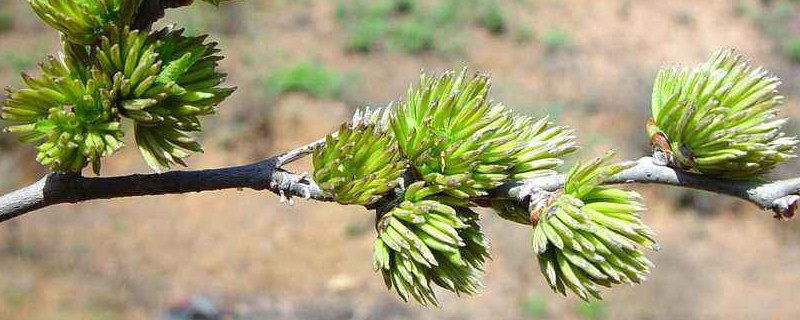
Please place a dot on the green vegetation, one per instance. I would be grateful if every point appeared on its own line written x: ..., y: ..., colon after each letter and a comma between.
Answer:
x: 370, y: 23
x: 791, y: 49
x: 492, y: 19
x: 523, y: 35
x: 742, y: 9
x: 777, y: 22
x: 534, y: 306
x: 556, y: 39
x: 449, y: 12
x: 16, y: 62
x: 6, y: 21
x: 365, y: 35
x: 774, y: 20
x: 595, y: 310
x: 414, y: 36
x: 13, y: 297
x: 309, y: 77
x: 365, y: 23
x: 404, y: 6
x: 408, y: 26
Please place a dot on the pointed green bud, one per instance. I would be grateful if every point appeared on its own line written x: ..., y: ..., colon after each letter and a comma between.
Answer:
x: 590, y: 235
x: 166, y: 80
x: 426, y: 243
x: 455, y: 136
x: 68, y: 113
x: 719, y: 118
x: 83, y: 21
x: 361, y: 161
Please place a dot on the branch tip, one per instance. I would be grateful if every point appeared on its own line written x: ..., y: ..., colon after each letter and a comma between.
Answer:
x: 785, y: 207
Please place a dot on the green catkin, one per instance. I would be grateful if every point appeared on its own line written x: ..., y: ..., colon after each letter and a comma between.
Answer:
x: 435, y: 243
x: 83, y: 21
x: 360, y: 162
x: 68, y: 115
x: 162, y: 81
x: 573, y: 249
x: 719, y: 118
x: 454, y: 136
x: 149, y: 70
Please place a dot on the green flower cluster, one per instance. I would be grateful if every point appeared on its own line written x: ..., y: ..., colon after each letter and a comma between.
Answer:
x: 165, y: 80
x: 457, y: 139
x: 719, y: 118
x: 68, y: 112
x: 83, y: 21
x: 162, y: 81
x: 589, y: 236
x: 444, y: 147
x: 360, y: 162
x: 423, y: 166
x: 424, y: 241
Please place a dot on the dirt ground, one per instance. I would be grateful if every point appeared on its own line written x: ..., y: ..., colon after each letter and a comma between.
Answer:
x: 259, y: 259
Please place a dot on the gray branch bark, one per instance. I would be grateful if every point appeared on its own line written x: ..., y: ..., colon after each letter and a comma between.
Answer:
x: 151, y: 11
x: 57, y: 188
x: 780, y: 196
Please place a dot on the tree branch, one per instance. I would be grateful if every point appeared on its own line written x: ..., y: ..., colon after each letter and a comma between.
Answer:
x: 56, y: 188
x: 151, y: 11
x: 779, y: 196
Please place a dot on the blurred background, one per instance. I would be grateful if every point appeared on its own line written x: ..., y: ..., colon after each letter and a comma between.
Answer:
x: 302, y: 67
